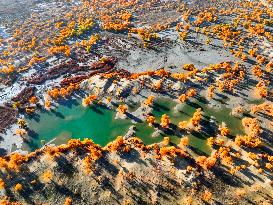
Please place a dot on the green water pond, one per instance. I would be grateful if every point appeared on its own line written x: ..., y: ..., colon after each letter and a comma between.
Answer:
x: 72, y: 120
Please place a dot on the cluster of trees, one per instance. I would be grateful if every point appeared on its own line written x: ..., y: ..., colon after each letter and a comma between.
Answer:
x: 211, y: 90
x: 165, y: 121
x: 266, y: 108
x: 36, y: 59
x: 89, y: 100
x: 47, y: 176
x: 149, y: 101
x: 151, y: 120
x: 87, y: 44
x: 13, y: 161
x: 196, y: 118
x: 8, y: 69
x: 253, y: 130
x: 230, y: 77
x: 206, y: 162
x: 207, y: 196
x: 53, y: 35
x: 60, y: 49
x: 261, y: 88
x: 73, y: 27
x: 122, y: 109
x: 249, y: 21
x: 63, y: 92
x: 55, y: 94
x: 190, y: 93
x: 117, y: 22
x: 224, y: 131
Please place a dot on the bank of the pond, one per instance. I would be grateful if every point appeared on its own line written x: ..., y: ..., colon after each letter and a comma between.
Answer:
x: 98, y: 123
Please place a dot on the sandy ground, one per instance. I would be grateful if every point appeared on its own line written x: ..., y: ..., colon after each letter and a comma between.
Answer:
x: 133, y: 177
x: 121, y: 178
x: 176, y: 55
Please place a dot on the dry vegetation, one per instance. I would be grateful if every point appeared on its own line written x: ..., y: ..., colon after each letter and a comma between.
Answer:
x: 125, y: 171
x: 61, y: 50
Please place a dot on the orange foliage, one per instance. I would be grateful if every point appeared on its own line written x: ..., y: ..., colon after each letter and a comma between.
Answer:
x: 188, y: 200
x: 151, y: 120
x: 260, y: 59
x: 189, y: 67
x: 252, y: 52
x: 269, y: 67
x: 210, y: 141
x: 33, y: 100
x: 257, y: 71
x: 240, y: 193
x: 211, y: 91
x: 182, y: 125
x: 47, y: 176
x: 68, y: 201
x: 88, y: 100
x: 197, y: 116
x: 261, y: 88
x: 165, y: 121
x: 182, y: 98
x: 191, y: 92
x: 18, y: 187
x: 252, y: 126
x: 224, y: 130
x: 60, y: 49
x: 9, y: 69
x: 87, y: 163
x: 20, y: 132
x: 149, y: 101
x: 266, y: 108
x: 122, y: 109
x: 184, y: 142
x: 116, y: 144
x: 206, y: 162
x: 47, y: 104
x: 253, y: 130
x: 170, y: 152
x: 2, y: 184
x: 15, y: 160
x: 166, y: 141
x: 36, y: 59
x: 145, y: 35
x: 207, y: 196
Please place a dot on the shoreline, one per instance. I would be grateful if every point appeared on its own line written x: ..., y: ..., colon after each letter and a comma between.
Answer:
x: 153, y: 64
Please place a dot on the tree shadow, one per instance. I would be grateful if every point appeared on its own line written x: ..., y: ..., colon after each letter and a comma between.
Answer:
x: 96, y: 110
x: 58, y: 114
x: 68, y: 102
x: 3, y: 152
x: 159, y: 107
x: 64, y: 166
x: 32, y: 134
x: 106, y: 165
x: 132, y: 156
x: 132, y: 117
x: 227, y: 178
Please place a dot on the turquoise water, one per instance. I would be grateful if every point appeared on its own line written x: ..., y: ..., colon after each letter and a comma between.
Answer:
x: 98, y: 123
x: 197, y: 140
x: 76, y: 121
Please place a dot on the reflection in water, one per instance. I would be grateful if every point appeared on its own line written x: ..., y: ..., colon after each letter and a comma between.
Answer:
x: 98, y: 123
